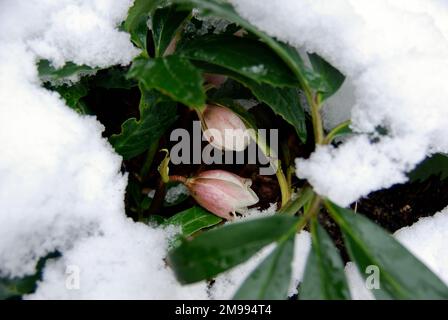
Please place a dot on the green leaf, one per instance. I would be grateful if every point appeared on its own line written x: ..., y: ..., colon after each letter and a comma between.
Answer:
x: 174, y: 76
x: 331, y: 77
x: 436, y: 165
x: 283, y: 101
x: 324, y: 277
x: 166, y: 22
x: 237, y: 54
x: 141, y: 8
x: 156, y: 116
x: 222, y: 248
x: 72, y: 96
x: 139, y: 34
x: 402, y: 276
x: 193, y: 220
x: 306, y: 77
x: 272, y: 278
x: 48, y: 73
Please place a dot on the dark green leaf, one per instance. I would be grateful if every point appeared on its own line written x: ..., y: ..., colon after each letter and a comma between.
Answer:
x: 436, y: 165
x: 272, y: 278
x: 222, y: 248
x: 283, y: 101
x: 48, y: 73
x: 289, y: 55
x: 237, y: 54
x: 324, y: 277
x: 174, y: 76
x: 331, y: 77
x: 193, y: 220
x: 156, y: 116
x: 166, y: 22
x: 139, y: 34
x: 402, y: 276
x: 72, y: 96
x: 141, y: 8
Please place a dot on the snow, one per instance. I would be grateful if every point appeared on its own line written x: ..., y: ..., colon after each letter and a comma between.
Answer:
x: 130, y: 266
x: 395, y: 57
x: 426, y: 239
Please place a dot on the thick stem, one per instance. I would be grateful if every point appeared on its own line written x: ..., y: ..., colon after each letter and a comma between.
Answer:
x: 312, y: 211
x: 275, y: 163
x: 284, y: 187
x: 317, y: 120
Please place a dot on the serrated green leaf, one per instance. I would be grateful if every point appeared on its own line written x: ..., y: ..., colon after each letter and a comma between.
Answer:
x: 72, y: 96
x: 141, y: 8
x: 174, y: 76
x: 48, y: 73
x: 223, y: 9
x: 436, y: 165
x: 402, y: 275
x: 193, y: 220
x: 331, y: 77
x: 324, y: 277
x: 166, y: 22
x: 156, y: 116
x: 237, y: 54
x: 272, y: 277
x: 139, y: 34
x: 222, y: 248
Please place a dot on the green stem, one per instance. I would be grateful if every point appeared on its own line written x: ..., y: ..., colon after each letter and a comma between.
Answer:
x: 312, y: 211
x: 317, y: 119
x: 276, y: 164
x: 334, y: 132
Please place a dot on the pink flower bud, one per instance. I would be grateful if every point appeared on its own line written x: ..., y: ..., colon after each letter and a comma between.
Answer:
x: 222, y: 193
x: 215, y: 79
x: 223, y: 129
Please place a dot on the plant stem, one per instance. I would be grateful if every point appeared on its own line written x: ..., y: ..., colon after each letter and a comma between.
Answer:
x: 276, y: 164
x: 332, y: 134
x: 176, y: 178
x: 312, y: 211
x: 284, y: 187
x: 317, y: 119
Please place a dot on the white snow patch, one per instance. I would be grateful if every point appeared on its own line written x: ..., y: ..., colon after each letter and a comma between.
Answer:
x: 426, y: 239
x: 126, y: 264
x: 395, y: 54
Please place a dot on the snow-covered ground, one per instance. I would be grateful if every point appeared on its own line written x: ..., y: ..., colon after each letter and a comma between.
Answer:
x: 60, y: 181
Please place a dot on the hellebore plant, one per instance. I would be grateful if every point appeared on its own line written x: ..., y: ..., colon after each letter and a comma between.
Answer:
x: 182, y: 65
x: 221, y: 192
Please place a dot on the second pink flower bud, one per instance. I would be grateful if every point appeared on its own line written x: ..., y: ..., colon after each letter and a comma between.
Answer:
x: 222, y: 193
